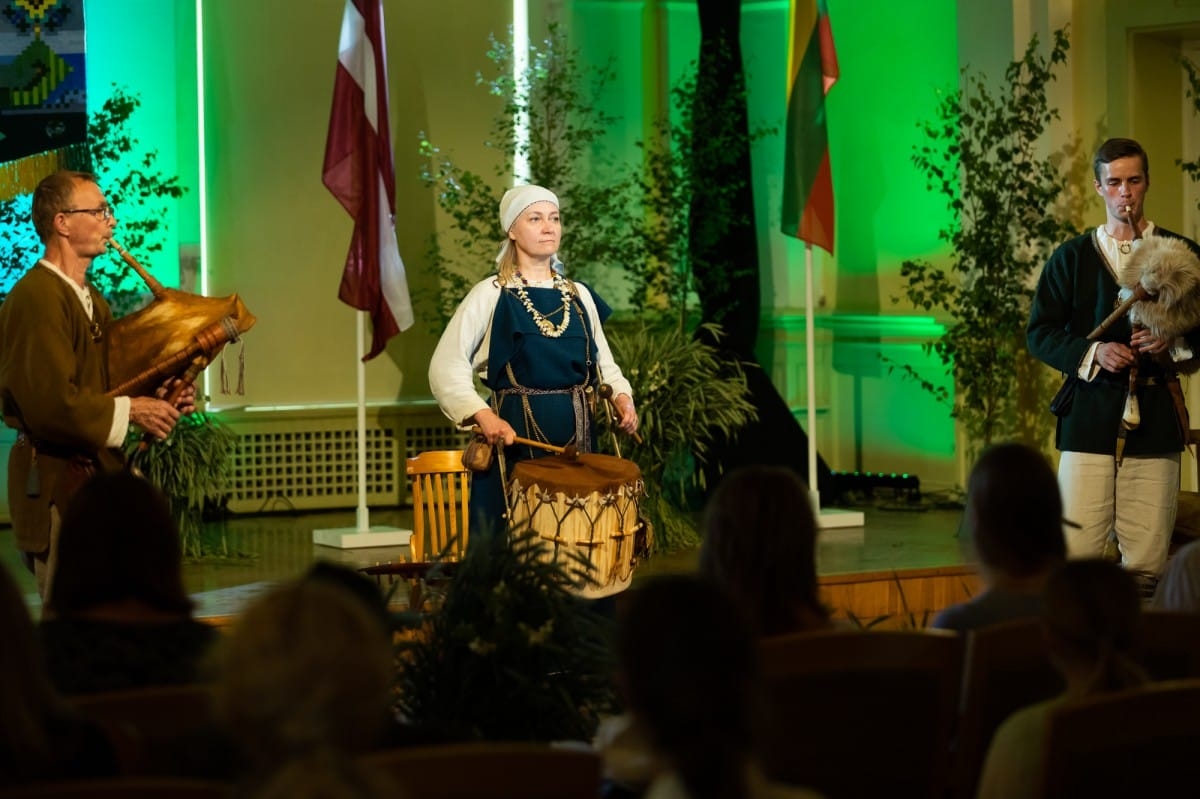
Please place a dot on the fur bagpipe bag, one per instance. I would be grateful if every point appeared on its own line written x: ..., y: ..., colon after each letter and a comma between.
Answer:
x: 1160, y: 289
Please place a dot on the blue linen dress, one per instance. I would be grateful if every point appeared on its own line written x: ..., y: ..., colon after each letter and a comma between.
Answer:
x: 544, y: 387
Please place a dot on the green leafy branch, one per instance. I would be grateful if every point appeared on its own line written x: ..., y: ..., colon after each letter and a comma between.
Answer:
x: 135, y: 187
x: 511, y: 654
x: 690, y: 399
x: 982, y: 154
x: 193, y: 467
x: 1192, y: 75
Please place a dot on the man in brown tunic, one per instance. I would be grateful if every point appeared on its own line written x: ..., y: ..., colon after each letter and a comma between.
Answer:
x: 53, y: 370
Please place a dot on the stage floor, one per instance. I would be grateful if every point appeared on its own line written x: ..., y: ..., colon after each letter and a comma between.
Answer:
x: 272, y: 547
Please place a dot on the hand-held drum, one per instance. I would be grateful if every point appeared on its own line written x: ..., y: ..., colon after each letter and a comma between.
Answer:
x: 587, y: 504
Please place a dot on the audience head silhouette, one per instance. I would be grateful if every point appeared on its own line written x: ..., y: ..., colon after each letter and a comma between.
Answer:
x: 1014, y: 511
x: 118, y: 545
x: 40, y: 737
x: 357, y: 585
x: 1179, y: 588
x: 689, y: 675
x: 306, y: 669
x: 759, y: 545
x: 28, y: 698
x: 1092, y: 623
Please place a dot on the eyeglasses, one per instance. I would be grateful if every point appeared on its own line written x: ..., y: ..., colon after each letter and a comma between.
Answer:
x: 103, y: 213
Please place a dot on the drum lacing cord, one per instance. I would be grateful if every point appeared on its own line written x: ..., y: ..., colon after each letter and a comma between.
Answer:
x: 592, y: 399
x: 508, y: 508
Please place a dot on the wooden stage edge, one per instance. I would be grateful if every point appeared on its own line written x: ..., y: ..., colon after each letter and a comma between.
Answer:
x: 896, y: 572
x: 897, y: 599
x: 891, y: 599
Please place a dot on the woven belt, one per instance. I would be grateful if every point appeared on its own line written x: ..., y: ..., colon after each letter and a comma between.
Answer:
x: 1123, y: 385
x: 522, y: 391
x: 55, y: 450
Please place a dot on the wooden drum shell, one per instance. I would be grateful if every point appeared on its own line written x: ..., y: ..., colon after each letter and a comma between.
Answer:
x: 590, y: 505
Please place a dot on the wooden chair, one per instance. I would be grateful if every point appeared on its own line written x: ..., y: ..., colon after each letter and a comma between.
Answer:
x: 495, y: 770
x: 122, y: 788
x: 1171, y: 644
x: 142, y: 722
x: 1133, y: 743
x: 153, y: 711
x: 862, y: 713
x: 440, y: 492
x: 1006, y: 669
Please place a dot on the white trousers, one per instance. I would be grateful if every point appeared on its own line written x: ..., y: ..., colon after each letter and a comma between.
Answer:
x: 1137, y: 502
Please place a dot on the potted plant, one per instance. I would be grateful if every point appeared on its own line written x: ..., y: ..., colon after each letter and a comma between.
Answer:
x: 192, y: 467
x: 510, y: 655
x: 690, y: 399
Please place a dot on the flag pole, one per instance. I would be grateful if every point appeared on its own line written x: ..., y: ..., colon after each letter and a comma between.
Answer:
x: 363, y: 533
x: 814, y: 489
x: 363, y: 515
x: 359, y: 172
x: 826, y: 517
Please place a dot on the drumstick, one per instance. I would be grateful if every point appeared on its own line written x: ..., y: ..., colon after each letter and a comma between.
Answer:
x: 570, y: 450
x: 541, y: 445
x: 606, y: 391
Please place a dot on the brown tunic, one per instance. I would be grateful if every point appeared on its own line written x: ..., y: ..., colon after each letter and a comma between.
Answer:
x: 53, y: 376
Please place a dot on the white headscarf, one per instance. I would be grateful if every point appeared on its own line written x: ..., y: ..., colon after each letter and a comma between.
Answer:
x: 513, y: 203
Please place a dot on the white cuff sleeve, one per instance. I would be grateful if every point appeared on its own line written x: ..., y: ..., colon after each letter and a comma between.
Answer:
x: 1088, y: 368
x: 120, y: 423
x: 461, y: 355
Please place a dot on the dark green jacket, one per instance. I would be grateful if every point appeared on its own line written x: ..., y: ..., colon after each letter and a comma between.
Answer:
x: 1075, y: 293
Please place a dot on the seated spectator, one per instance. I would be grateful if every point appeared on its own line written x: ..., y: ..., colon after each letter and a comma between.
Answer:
x: 759, y: 546
x: 689, y: 675
x: 117, y: 616
x: 41, y: 738
x: 305, y: 685
x: 357, y: 585
x: 1179, y: 588
x: 759, y: 541
x: 1014, y: 518
x: 327, y: 776
x: 1091, y: 623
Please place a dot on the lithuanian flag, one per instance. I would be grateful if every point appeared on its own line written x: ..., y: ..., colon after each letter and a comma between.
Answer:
x: 812, y: 70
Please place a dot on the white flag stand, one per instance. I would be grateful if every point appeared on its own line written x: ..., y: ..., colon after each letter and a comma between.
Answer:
x: 826, y: 517
x: 363, y: 534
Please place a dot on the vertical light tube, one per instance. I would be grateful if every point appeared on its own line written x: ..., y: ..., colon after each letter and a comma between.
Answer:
x: 520, y: 28
x: 205, y: 389
x: 200, y: 160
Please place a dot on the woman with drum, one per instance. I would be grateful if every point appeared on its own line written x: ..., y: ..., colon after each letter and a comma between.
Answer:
x: 535, y: 340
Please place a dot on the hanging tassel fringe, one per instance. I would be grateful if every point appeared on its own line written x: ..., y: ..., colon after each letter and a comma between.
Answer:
x: 241, y: 375
x: 241, y: 387
x: 22, y: 175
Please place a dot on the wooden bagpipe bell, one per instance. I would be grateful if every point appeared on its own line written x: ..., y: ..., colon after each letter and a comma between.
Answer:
x: 177, y: 334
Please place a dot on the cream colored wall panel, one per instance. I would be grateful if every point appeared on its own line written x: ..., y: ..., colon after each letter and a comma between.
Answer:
x: 276, y: 235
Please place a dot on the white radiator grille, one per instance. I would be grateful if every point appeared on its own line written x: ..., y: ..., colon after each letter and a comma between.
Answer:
x: 423, y: 439
x: 307, y: 459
